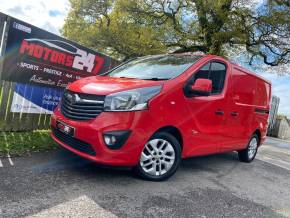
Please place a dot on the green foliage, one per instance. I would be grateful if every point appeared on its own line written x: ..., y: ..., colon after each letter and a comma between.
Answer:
x: 99, y: 25
x: 18, y: 143
x: 129, y: 28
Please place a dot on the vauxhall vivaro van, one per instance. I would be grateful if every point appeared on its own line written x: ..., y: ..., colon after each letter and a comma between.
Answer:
x: 152, y: 111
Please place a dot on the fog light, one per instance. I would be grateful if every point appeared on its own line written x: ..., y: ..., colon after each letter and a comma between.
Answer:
x: 115, y: 139
x: 110, y: 140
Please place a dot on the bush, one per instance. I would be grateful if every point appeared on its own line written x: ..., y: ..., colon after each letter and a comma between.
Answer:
x: 19, y: 143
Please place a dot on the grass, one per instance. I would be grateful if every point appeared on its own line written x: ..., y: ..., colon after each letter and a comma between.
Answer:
x: 20, y: 143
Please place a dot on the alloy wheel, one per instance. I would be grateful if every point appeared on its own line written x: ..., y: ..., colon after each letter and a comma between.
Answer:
x: 157, y: 157
x: 252, y: 148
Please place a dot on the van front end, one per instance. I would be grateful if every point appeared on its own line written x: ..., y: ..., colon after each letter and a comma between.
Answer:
x: 81, y: 125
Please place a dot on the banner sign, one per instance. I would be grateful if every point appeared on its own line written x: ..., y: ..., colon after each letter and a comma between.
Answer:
x: 35, y: 56
x: 35, y: 99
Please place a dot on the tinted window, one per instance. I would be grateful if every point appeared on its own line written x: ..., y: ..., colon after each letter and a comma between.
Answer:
x: 203, y: 72
x: 155, y: 67
x: 217, y: 76
x: 214, y: 71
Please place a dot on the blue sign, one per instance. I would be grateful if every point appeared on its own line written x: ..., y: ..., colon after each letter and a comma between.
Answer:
x: 35, y: 99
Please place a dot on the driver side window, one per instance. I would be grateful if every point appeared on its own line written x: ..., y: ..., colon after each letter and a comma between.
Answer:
x: 216, y: 72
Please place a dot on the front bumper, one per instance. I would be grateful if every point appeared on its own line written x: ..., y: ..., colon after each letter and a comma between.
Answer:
x: 90, y: 133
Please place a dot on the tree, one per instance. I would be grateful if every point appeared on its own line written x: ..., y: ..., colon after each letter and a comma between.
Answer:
x: 212, y: 26
x: 103, y: 26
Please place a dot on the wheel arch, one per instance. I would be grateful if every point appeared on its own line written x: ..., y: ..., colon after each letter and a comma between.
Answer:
x: 259, y: 134
x: 174, y: 132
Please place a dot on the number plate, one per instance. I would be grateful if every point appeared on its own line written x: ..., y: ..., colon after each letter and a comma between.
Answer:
x: 68, y: 130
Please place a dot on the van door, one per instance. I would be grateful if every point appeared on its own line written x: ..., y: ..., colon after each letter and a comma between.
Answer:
x: 208, y: 113
x: 239, y: 123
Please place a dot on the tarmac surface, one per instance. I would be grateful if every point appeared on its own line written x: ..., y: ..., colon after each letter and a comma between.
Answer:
x: 60, y: 184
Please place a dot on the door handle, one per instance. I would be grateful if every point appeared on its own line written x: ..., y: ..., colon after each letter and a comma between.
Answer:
x: 234, y: 114
x: 219, y: 112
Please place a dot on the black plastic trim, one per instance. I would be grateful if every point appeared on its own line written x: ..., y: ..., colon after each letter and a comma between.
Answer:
x: 121, y: 138
x: 73, y: 142
x: 262, y: 111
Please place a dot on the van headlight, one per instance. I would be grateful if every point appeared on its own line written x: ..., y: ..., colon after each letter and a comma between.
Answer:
x: 130, y: 100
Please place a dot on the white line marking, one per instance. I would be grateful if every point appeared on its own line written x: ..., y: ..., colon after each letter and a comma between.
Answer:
x: 10, y: 160
x: 1, y: 165
x: 276, y: 162
x: 275, y: 149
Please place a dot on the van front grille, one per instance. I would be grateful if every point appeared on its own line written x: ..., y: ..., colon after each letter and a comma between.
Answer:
x: 79, y: 106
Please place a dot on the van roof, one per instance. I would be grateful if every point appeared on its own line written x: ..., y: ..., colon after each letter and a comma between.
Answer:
x: 233, y: 64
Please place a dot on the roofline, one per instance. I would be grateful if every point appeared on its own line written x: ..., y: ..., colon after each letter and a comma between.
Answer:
x: 251, y: 73
x: 245, y: 70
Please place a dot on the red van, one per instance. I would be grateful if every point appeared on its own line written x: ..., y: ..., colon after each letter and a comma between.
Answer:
x: 152, y: 111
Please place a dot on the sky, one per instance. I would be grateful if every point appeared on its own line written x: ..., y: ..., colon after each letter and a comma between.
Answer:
x: 50, y: 15
x: 46, y: 14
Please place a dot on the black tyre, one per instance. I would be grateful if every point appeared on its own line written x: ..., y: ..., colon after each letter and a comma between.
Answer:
x: 248, y: 155
x: 160, y: 157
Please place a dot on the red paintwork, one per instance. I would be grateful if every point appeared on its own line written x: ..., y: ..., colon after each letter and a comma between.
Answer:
x: 203, y: 132
x: 204, y: 85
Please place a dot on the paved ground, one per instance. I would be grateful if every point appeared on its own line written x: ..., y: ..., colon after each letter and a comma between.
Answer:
x: 59, y: 184
x: 277, y: 152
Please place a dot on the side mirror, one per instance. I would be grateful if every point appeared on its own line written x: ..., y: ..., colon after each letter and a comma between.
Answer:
x: 201, y: 87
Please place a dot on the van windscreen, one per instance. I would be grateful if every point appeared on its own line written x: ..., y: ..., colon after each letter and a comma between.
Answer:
x: 159, y: 67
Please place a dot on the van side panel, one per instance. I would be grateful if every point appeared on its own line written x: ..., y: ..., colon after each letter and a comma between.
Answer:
x: 262, y: 106
x: 240, y: 120
x: 263, y: 91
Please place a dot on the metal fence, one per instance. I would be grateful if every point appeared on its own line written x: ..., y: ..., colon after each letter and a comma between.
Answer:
x: 18, y: 121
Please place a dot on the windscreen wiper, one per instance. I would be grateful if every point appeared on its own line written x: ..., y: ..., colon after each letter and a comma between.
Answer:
x: 124, y: 77
x: 155, y: 78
